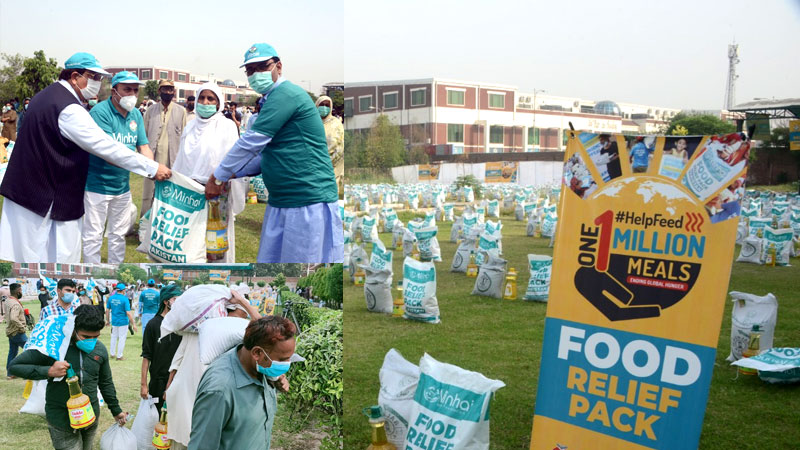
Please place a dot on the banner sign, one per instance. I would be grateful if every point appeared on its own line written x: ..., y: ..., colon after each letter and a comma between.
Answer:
x: 794, y: 135
x: 640, y: 272
x: 172, y: 275
x: 427, y: 172
x: 501, y: 172
x: 219, y: 275
x: 761, y: 124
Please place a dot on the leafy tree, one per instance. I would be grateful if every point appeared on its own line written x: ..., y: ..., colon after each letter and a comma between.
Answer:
x: 129, y: 273
x: 279, y: 281
x: 778, y: 143
x: 9, y: 76
x: 262, y: 283
x: 38, y: 73
x: 338, y: 99
x: 353, y: 150
x: 699, y: 124
x: 469, y: 180
x: 417, y: 155
x: 384, y: 145
x: 151, y: 90
x: 5, y: 269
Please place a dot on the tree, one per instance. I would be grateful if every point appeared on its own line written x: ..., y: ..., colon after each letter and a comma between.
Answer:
x: 9, y: 76
x: 699, y: 124
x: 151, y: 90
x: 5, y: 269
x: 129, y: 273
x: 279, y: 281
x: 384, y: 145
x: 337, y: 98
x: 353, y: 149
x: 417, y: 155
x: 38, y: 73
x: 778, y: 143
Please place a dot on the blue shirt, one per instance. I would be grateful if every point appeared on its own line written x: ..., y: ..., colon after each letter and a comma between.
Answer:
x: 119, y: 305
x: 641, y: 154
x: 148, y: 301
x: 106, y: 178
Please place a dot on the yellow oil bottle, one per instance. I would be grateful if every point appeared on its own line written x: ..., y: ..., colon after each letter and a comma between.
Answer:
x: 510, y: 291
x: 398, y: 307
x: 400, y: 285
x: 753, y: 349
x: 472, y: 267
x: 252, y: 197
x: 26, y: 393
x: 160, y: 441
x: 415, y: 253
x: 771, y: 255
x: 359, y: 277
x: 378, y: 425
x: 81, y: 414
x: 216, y: 232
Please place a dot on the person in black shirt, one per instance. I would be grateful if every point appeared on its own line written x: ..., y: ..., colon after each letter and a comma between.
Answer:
x: 44, y: 297
x: 101, y: 291
x: 234, y: 115
x: 157, y: 355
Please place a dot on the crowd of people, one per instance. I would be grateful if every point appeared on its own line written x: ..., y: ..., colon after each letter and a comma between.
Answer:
x: 228, y: 404
x: 84, y: 149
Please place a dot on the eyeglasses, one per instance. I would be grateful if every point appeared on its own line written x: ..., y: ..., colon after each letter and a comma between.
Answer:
x: 261, y: 67
x: 92, y: 76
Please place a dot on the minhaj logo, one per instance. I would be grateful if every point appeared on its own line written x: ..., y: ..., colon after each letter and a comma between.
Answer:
x: 253, y: 49
x: 444, y: 398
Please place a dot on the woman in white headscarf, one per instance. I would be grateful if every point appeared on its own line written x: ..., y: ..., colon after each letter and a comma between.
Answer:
x: 334, y: 134
x: 204, y: 143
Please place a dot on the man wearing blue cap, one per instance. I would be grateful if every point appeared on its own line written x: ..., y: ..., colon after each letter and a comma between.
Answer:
x: 42, y: 214
x: 148, y: 302
x: 287, y: 145
x: 108, y: 192
x: 121, y: 316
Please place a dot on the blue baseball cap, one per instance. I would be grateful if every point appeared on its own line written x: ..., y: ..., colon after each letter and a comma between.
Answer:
x: 121, y: 286
x: 83, y: 60
x: 125, y: 77
x: 151, y: 281
x: 258, y: 52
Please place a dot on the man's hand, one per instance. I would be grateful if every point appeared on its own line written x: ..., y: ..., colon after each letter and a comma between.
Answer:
x: 143, y: 392
x: 121, y: 418
x: 58, y: 369
x: 282, y: 384
x: 163, y: 173
x: 212, y: 189
x: 237, y: 297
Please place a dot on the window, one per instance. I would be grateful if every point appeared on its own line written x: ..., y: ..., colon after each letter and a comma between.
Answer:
x: 564, y: 137
x: 23, y: 265
x: 455, y: 97
x: 145, y: 74
x: 418, y: 97
x: 496, y: 134
x: 455, y: 132
x: 163, y: 75
x: 390, y: 100
x: 58, y: 268
x: 228, y: 97
x: 364, y: 103
x: 533, y: 136
x: 497, y: 100
x: 181, y: 93
x: 42, y: 266
x: 181, y: 77
x: 348, y: 107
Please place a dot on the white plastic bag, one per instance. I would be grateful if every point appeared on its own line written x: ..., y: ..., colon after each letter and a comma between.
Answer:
x: 490, y: 276
x: 378, y: 289
x: 194, y: 306
x: 144, y: 422
x: 399, y: 379
x: 118, y: 438
x: 751, y: 250
x: 776, y: 365
x: 35, y: 402
x: 219, y: 335
x: 749, y: 310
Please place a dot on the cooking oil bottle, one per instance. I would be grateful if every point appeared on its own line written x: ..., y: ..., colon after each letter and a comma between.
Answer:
x: 510, y: 291
x: 472, y: 267
x: 160, y: 441
x: 26, y: 393
x: 252, y: 197
x: 359, y: 277
x: 398, y: 306
x: 753, y: 349
x: 216, y: 232
x: 378, y: 425
x: 81, y: 414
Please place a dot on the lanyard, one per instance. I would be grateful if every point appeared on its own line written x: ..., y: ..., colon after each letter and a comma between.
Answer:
x: 81, y: 360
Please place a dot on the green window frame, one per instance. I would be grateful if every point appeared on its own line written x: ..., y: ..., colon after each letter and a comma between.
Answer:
x: 364, y: 103
x: 348, y: 107
x: 533, y: 136
x: 496, y: 134
x: 564, y: 137
x: 390, y: 100
x: 455, y: 132
x: 456, y: 97
x: 497, y: 101
x: 418, y: 97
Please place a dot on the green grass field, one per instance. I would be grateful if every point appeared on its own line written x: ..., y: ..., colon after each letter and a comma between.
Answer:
x: 502, y: 339
x: 29, y: 432
x: 248, y: 230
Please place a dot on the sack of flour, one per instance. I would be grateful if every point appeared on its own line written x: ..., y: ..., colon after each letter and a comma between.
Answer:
x: 176, y: 231
x: 741, y: 232
x: 751, y: 250
x: 380, y: 258
x: 409, y: 239
x: 378, y: 289
x: 369, y: 229
x: 749, y: 310
x: 461, y: 257
x: 448, y: 212
x: 470, y: 220
x: 357, y: 256
x: 388, y: 217
x: 776, y: 365
x: 399, y: 379
x: 348, y: 220
x: 486, y: 243
x: 397, y: 233
x: 450, y: 409
x: 490, y: 276
x: 757, y: 225
x: 419, y: 291
x: 777, y: 243
x: 519, y: 211
x: 469, y: 196
x: 549, y: 224
x: 457, y: 229
x: 494, y: 209
x: 540, y: 267
x: 346, y: 252
x: 425, y: 243
x: 195, y: 306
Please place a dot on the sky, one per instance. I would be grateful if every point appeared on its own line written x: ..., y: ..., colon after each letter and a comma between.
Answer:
x: 670, y: 53
x: 200, y: 36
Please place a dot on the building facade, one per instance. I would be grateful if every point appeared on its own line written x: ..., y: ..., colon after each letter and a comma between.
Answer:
x: 457, y: 117
x: 56, y: 271
x: 186, y: 84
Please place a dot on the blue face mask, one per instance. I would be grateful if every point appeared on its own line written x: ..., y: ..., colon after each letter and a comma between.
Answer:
x: 86, y: 345
x: 277, y: 368
x: 83, y: 292
x: 205, y: 111
x: 69, y: 297
x: 323, y: 111
x: 261, y: 82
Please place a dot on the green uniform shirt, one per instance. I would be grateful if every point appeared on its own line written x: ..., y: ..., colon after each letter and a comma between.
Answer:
x: 96, y: 372
x: 106, y: 178
x: 295, y: 165
x: 232, y: 411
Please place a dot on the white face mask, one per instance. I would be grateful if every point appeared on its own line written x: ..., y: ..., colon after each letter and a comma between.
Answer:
x: 127, y: 102
x: 91, y: 89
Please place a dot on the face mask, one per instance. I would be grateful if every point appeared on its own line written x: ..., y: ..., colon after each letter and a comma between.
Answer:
x: 83, y: 292
x: 69, y: 297
x: 323, y: 111
x: 166, y: 98
x: 92, y: 102
x: 26, y: 106
x: 277, y: 368
x: 260, y: 82
x: 206, y: 111
x: 6, y: 108
x: 91, y: 89
x: 86, y: 345
x: 127, y: 102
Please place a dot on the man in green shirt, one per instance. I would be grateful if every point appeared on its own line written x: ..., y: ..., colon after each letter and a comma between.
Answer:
x: 108, y: 192
x: 236, y: 400
x: 88, y: 358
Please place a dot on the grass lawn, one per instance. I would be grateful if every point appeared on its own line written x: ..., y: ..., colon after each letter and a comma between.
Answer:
x: 502, y: 339
x: 248, y: 230
x: 29, y: 432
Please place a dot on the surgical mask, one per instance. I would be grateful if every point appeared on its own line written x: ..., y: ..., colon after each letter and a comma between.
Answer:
x: 166, y: 98
x: 127, y: 102
x: 83, y: 292
x: 277, y: 368
x: 323, y: 111
x: 86, y: 345
x: 93, y: 102
x: 91, y: 89
x: 69, y: 297
x: 205, y: 111
x: 6, y: 108
x: 260, y: 82
x: 26, y: 106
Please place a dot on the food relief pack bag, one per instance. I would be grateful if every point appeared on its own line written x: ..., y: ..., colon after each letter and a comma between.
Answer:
x: 540, y: 267
x: 450, y: 408
x: 427, y: 244
x: 399, y: 379
x: 749, y: 310
x: 388, y: 217
x: 369, y: 229
x: 491, y: 275
x: 419, y: 291
x: 176, y: 231
x: 757, y: 225
x: 776, y: 365
x: 777, y: 244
